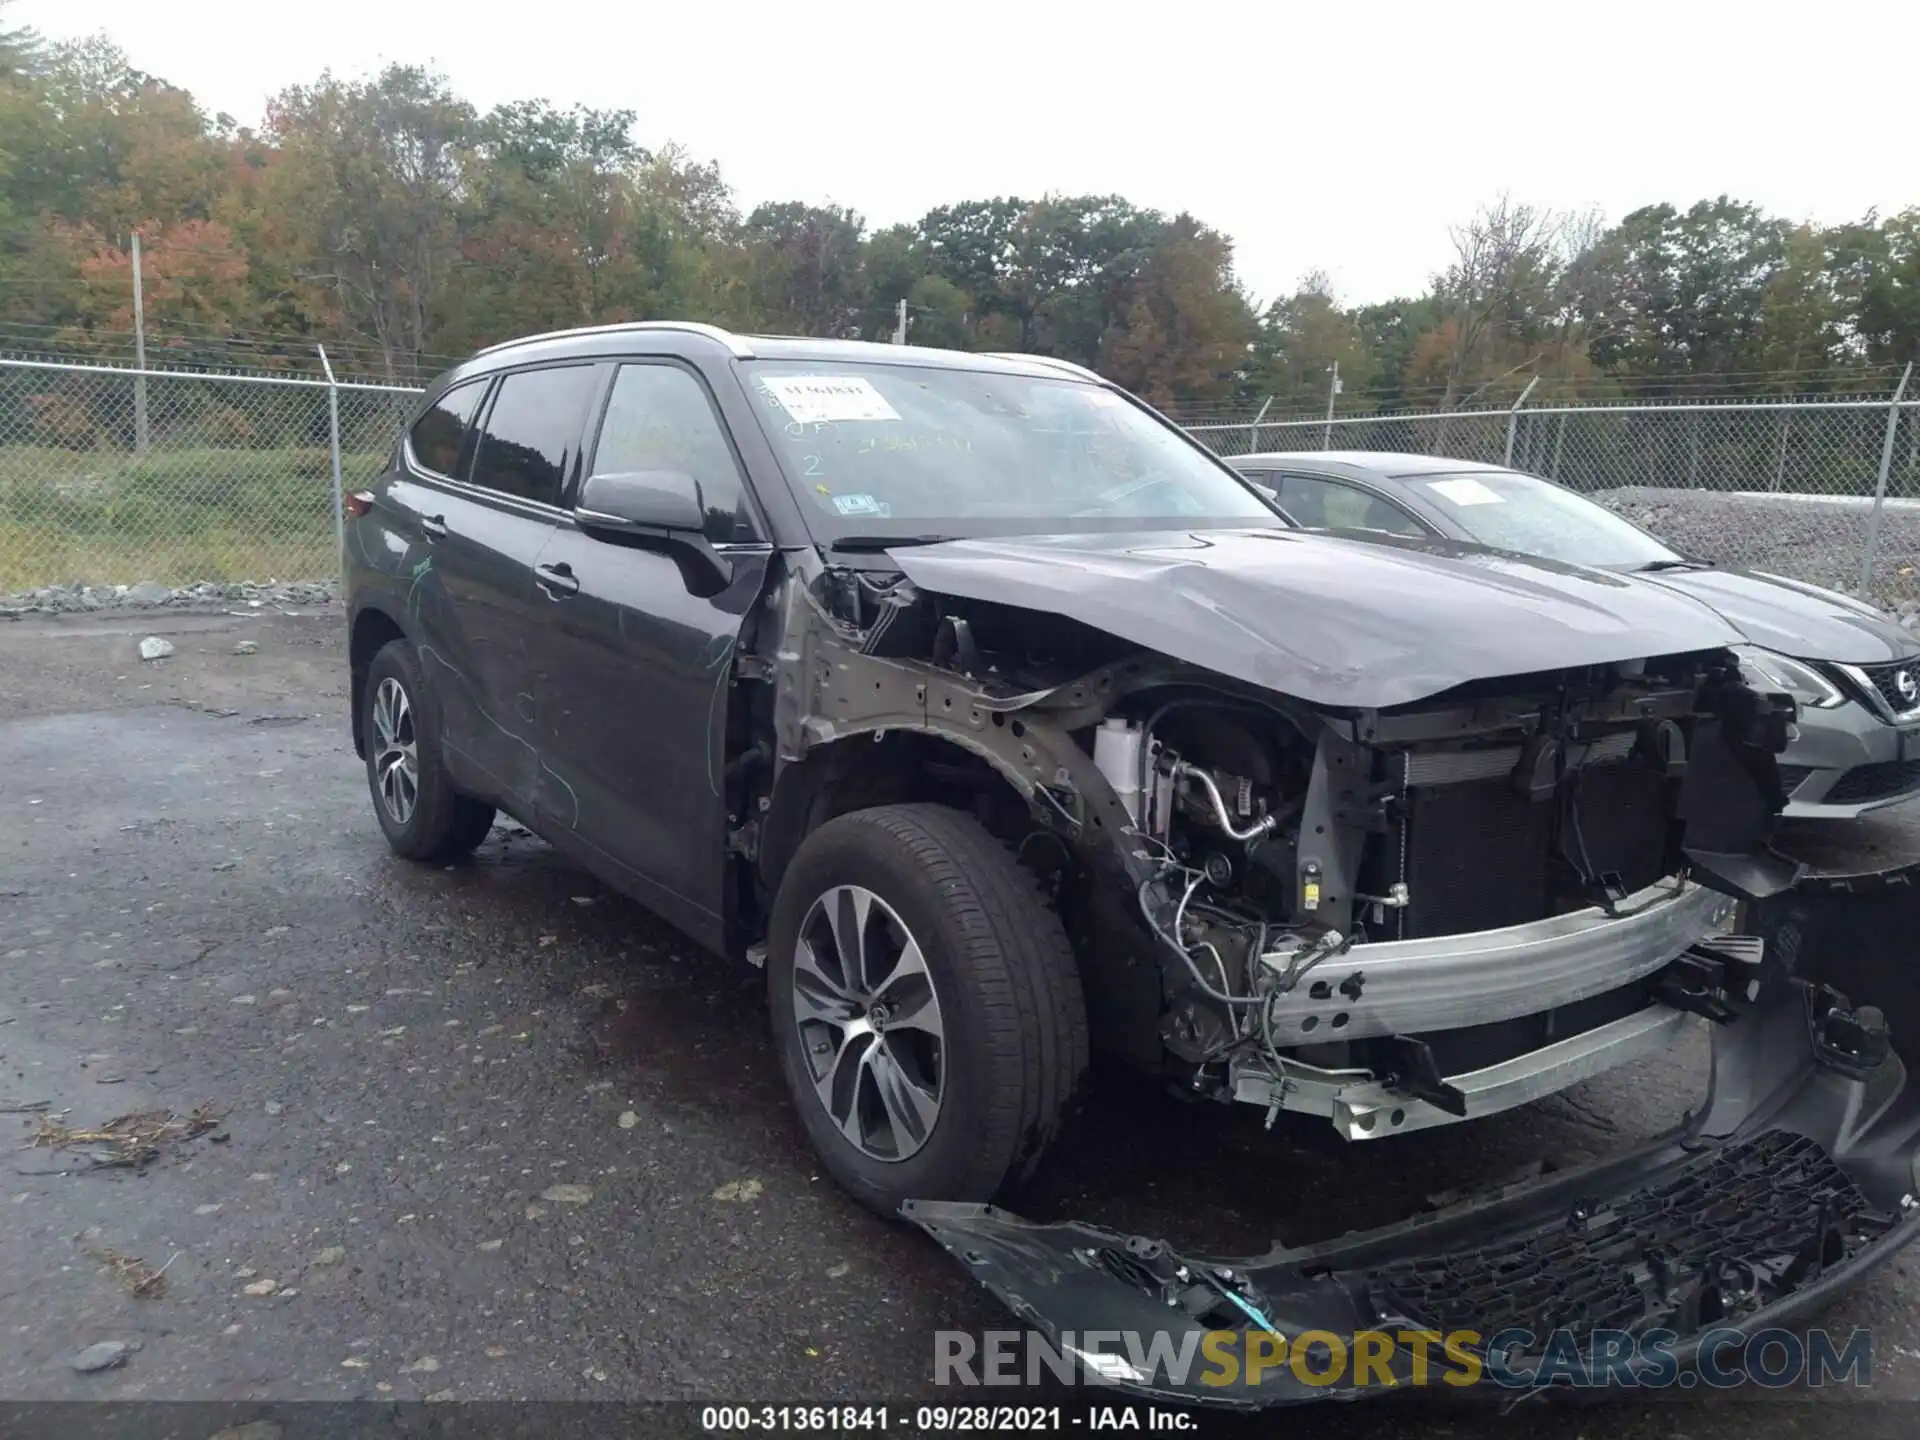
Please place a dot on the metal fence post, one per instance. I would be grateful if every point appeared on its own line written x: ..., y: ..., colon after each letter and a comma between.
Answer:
x: 333, y: 441
x: 1253, y: 430
x: 1880, y: 485
x: 1513, y: 419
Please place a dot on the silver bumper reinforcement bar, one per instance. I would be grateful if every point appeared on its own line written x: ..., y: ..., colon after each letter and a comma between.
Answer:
x: 1448, y: 982
x: 1361, y: 1108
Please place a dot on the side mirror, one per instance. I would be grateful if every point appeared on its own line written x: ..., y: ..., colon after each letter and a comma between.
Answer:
x: 647, y: 500
x: 662, y: 506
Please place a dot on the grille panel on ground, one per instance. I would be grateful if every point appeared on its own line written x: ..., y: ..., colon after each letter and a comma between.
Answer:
x: 1875, y: 782
x: 1770, y: 1212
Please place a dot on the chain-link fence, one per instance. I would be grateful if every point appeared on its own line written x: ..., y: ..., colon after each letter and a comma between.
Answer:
x: 111, y: 476
x: 1823, y: 490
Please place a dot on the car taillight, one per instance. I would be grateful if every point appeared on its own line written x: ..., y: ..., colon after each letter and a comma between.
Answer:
x: 359, y: 503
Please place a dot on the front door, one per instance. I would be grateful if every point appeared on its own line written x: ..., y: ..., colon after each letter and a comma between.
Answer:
x: 638, y: 673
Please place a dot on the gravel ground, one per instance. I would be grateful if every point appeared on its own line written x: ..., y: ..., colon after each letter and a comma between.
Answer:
x: 490, y: 1131
x: 152, y: 595
x: 1819, y: 539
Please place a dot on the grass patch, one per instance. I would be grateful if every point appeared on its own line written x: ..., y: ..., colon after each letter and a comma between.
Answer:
x: 103, y: 517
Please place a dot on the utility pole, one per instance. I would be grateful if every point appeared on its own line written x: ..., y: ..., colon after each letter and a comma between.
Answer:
x: 139, y: 356
x: 900, y: 323
x: 1333, y: 392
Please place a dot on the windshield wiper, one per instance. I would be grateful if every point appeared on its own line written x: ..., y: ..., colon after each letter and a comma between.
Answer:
x: 871, y: 544
x: 1677, y: 564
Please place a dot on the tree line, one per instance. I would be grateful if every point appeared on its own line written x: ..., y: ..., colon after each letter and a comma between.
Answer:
x: 402, y: 226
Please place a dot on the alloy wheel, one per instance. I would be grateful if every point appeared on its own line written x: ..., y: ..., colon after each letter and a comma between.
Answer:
x: 396, y: 758
x: 869, y: 1023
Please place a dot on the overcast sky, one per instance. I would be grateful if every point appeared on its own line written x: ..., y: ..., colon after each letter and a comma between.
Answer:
x: 1338, y: 138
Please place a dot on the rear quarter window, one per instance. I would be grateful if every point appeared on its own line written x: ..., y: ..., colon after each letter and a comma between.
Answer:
x: 436, y: 437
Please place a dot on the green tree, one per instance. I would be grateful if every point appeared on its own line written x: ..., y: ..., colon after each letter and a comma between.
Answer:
x: 374, y: 173
x: 1299, y: 341
x: 1876, y: 269
x: 803, y: 268
x: 1184, y: 330
x: 1681, y: 293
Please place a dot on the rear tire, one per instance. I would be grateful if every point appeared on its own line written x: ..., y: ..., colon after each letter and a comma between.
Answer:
x: 980, y: 1047
x: 422, y: 814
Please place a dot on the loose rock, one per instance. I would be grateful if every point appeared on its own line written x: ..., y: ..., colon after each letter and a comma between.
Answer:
x: 104, y: 1356
x: 154, y: 648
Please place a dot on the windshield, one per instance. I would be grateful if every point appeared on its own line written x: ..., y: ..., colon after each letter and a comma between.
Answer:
x: 1512, y: 511
x: 908, y: 450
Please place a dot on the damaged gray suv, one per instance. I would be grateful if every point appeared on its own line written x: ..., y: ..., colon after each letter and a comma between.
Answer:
x: 998, y: 721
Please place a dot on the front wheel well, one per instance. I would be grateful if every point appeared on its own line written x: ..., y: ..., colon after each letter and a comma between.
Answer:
x: 373, y: 630
x: 894, y: 767
x: 902, y: 767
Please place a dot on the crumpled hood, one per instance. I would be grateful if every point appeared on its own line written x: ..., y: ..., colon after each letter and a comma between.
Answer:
x: 1332, y: 621
x: 1794, y: 618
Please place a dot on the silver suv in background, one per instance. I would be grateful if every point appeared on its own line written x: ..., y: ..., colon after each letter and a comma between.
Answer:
x: 1854, y: 670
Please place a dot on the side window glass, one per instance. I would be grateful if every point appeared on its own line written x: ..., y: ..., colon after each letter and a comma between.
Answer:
x: 532, y: 432
x: 436, y: 436
x: 659, y: 418
x: 1327, y: 504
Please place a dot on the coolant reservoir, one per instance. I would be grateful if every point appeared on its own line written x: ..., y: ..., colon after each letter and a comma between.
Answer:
x: 1116, y: 754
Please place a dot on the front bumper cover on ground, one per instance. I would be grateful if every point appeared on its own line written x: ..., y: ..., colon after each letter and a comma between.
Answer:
x: 1796, y: 1178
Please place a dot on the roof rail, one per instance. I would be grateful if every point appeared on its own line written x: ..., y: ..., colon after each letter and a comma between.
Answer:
x: 1067, y: 365
x: 735, y: 345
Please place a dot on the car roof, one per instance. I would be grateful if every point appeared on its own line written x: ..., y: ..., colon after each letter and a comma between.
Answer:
x: 689, y: 338
x: 1380, y: 462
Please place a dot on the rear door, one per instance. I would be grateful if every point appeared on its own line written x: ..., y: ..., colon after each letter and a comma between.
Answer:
x: 636, y: 666
x: 426, y: 484
x: 484, y: 538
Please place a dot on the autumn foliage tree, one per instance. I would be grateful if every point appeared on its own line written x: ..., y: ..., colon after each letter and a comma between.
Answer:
x: 391, y: 219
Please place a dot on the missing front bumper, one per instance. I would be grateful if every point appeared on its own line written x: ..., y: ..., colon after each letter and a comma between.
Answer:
x: 1795, y: 1180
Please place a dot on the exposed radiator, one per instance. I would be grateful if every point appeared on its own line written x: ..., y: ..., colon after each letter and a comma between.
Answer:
x: 1476, y: 858
x: 1479, y: 855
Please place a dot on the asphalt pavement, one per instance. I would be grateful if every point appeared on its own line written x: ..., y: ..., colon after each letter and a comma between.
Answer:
x: 490, y: 1131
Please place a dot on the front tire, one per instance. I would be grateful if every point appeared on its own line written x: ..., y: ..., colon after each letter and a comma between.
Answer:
x: 422, y: 814
x: 926, y: 1006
